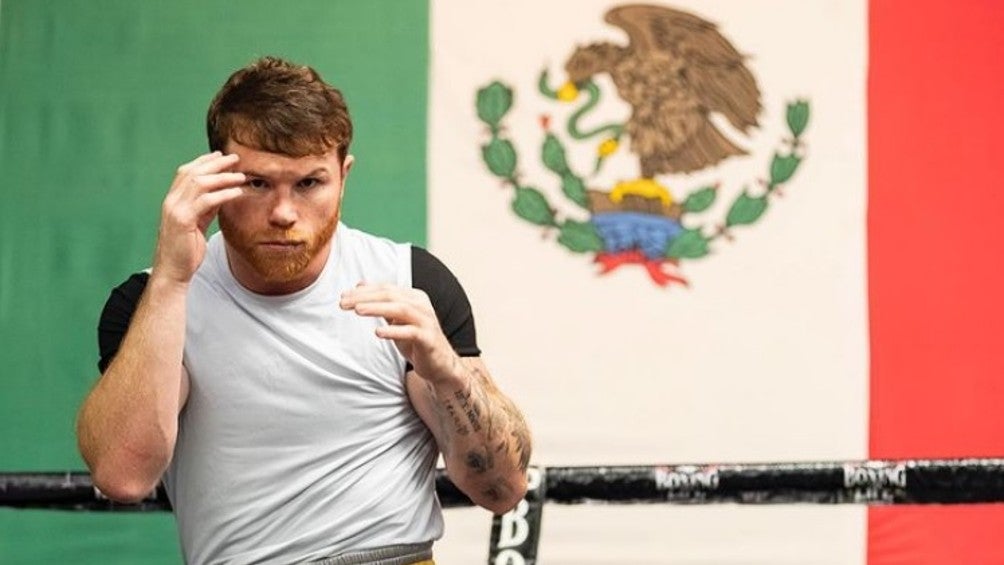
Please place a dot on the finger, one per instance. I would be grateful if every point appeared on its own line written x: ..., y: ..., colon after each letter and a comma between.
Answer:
x: 350, y: 301
x: 215, y: 164
x: 380, y: 293
x: 209, y: 183
x: 205, y: 165
x: 198, y: 160
x: 213, y: 200
x: 394, y: 312
x: 195, y: 166
x: 399, y: 333
x: 208, y: 205
x: 359, y: 295
x: 365, y: 287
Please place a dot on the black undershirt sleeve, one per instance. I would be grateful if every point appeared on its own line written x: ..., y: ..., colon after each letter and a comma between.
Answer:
x: 116, y: 315
x: 449, y: 300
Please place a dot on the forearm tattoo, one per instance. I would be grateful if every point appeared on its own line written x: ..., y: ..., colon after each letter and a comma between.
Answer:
x: 481, y: 409
x: 458, y: 423
x: 469, y: 408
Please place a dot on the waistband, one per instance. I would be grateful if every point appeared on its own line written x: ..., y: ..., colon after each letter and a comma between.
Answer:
x: 404, y: 554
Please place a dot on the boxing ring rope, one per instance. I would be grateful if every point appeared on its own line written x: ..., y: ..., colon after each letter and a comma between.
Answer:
x: 515, y: 535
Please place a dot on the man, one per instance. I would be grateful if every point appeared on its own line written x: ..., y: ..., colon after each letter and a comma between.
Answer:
x: 292, y: 378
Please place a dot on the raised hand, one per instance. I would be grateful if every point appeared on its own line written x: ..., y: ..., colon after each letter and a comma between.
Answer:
x: 482, y: 435
x: 412, y: 326
x: 200, y: 187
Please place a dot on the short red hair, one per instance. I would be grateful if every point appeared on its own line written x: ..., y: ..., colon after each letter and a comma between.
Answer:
x: 280, y: 107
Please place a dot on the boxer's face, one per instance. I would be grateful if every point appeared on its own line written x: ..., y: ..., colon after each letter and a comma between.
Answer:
x: 279, y: 232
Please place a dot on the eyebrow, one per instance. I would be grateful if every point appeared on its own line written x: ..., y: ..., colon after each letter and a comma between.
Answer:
x: 315, y: 172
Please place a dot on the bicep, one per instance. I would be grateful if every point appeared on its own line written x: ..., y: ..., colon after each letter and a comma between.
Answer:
x: 116, y: 318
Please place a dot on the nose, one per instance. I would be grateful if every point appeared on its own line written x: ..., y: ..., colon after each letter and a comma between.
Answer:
x: 283, y: 213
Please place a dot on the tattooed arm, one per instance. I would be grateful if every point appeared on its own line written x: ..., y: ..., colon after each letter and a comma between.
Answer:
x: 481, y: 433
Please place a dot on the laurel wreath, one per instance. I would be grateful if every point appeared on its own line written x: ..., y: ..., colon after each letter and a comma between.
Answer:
x: 499, y: 154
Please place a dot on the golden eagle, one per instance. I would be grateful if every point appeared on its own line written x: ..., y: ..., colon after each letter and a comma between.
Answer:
x: 676, y: 71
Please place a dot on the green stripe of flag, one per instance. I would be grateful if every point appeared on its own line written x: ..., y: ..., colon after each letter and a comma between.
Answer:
x: 100, y: 101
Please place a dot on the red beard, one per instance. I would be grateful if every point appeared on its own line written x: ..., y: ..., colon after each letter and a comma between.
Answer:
x: 282, y: 265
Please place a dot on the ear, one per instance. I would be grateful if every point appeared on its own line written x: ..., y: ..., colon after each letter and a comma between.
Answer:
x: 346, y: 167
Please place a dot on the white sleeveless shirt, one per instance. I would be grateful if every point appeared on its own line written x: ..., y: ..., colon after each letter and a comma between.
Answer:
x: 298, y: 440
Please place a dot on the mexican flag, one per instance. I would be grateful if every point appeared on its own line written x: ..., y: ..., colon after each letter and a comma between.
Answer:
x: 692, y: 232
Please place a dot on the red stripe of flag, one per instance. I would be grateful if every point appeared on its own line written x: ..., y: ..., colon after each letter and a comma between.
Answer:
x: 936, y: 262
